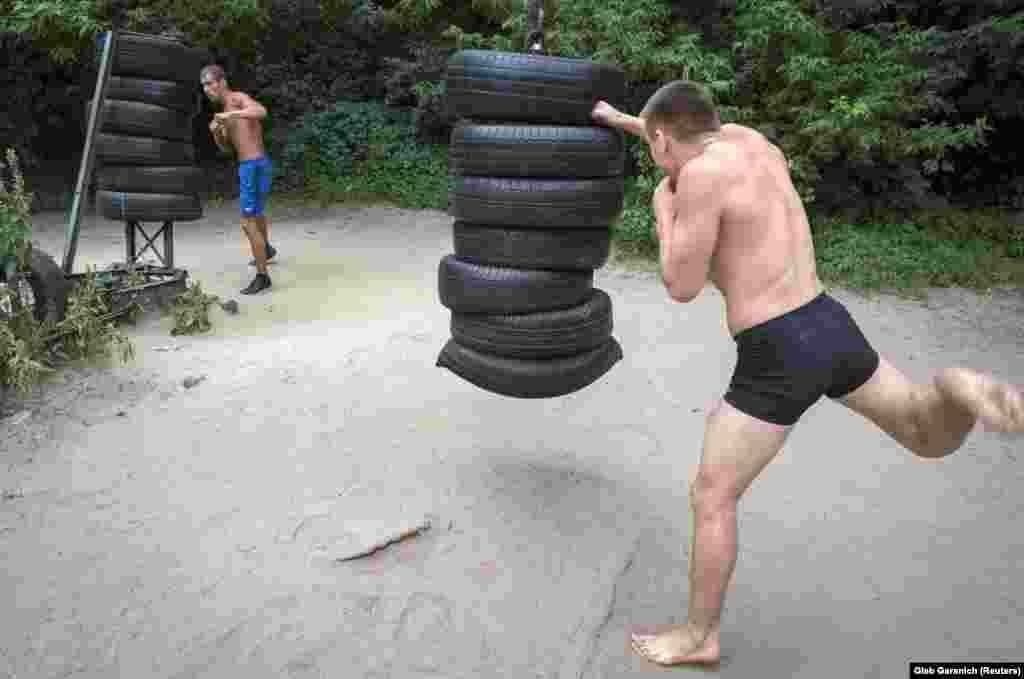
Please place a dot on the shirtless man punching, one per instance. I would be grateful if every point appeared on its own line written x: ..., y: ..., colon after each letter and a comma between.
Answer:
x: 240, y: 125
x: 728, y: 213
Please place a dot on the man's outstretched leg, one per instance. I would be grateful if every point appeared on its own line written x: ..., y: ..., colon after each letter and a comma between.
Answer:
x: 736, y: 448
x: 997, y: 404
x: 933, y: 420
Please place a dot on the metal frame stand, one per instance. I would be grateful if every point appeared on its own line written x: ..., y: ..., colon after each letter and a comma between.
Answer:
x: 162, y: 283
x: 132, y: 254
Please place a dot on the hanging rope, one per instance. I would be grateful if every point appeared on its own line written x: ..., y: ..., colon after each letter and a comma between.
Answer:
x: 535, y: 27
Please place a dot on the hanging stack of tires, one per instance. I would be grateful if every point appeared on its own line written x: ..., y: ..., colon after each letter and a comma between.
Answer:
x: 535, y: 188
x: 145, y: 155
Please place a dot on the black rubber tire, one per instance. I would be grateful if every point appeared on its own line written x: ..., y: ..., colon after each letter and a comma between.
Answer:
x: 156, y: 58
x: 547, y: 334
x: 519, y: 378
x: 489, y: 85
x: 187, y: 179
x: 559, y: 249
x: 180, y: 96
x: 49, y: 287
x: 537, y: 151
x: 113, y: 149
x: 144, y: 120
x: 149, y: 207
x: 472, y: 288
x: 552, y: 203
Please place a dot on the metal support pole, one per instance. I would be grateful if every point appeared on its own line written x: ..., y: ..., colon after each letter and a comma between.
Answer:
x: 169, y: 244
x: 129, y: 243
x: 89, y: 152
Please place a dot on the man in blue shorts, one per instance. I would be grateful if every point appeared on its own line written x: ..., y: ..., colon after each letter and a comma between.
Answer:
x: 239, y: 125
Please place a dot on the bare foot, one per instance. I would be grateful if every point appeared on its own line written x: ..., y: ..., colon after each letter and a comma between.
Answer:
x: 677, y: 646
x: 997, y: 404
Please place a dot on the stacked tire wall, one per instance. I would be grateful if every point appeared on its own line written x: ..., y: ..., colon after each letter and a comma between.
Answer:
x: 145, y: 153
x: 535, y: 188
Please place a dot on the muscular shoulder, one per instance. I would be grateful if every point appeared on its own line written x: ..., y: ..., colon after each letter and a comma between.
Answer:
x: 751, y: 140
x: 721, y: 165
x: 237, y: 100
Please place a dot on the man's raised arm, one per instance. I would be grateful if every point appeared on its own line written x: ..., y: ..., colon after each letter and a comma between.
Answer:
x: 608, y: 115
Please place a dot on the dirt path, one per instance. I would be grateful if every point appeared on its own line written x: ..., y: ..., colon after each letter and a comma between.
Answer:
x: 153, y: 530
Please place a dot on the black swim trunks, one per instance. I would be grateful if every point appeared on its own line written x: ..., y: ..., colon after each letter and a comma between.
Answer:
x: 786, y: 364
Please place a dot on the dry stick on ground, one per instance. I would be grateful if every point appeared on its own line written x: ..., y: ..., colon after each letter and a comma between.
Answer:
x: 397, y: 537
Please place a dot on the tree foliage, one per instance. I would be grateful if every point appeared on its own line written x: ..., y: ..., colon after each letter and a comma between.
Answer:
x: 845, y: 105
x: 877, y: 103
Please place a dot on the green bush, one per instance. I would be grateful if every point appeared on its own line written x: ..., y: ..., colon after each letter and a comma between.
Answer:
x: 15, y: 211
x: 842, y: 96
x: 636, y: 228
x: 834, y: 96
x: 414, y: 178
x: 61, y: 26
x: 191, y: 310
x: 903, y: 256
x: 326, y: 145
x: 359, y: 148
x: 65, y: 27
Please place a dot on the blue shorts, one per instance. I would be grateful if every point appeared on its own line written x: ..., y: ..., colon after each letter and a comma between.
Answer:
x: 786, y: 364
x: 254, y: 179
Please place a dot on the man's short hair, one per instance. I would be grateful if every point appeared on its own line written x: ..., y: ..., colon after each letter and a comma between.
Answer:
x: 685, y: 109
x: 215, y: 71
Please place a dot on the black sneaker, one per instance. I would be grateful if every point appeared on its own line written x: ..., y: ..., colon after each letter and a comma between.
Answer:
x: 270, y: 254
x: 259, y: 284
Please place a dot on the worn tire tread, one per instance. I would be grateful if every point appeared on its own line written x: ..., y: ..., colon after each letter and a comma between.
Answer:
x: 546, y: 334
x: 524, y: 378
x: 473, y: 288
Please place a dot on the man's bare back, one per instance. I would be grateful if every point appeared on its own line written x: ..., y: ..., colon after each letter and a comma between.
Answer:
x: 764, y: 260
x: 727, y: 213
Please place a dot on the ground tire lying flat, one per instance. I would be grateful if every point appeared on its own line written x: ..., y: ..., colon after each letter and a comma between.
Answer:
x: 144, y: 120
x: 472, y: 288
x: 521, y: 378
x: 490, y: 85
x: 187, y: 179
x: 156, y: 58
x: 554, y: 203
x: 560, y: 249
x: 133, y: 150
x: 546, y: 334
x: 537, y: 151
x: 180, y: 96
x: 149, y: 207
x: 49, y: 287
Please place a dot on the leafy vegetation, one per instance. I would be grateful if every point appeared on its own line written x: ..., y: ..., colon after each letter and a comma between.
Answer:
x: 906, y: 257
x: 861, y: 112
x: 26, y: 345
x: 88, y: 331
x: 65, y: 27
x: 29, y: 348
x: 61, y: 26
x: 15, y: 210
x: 23, y: 354
x: 191, y: 311
x: 361, y: 149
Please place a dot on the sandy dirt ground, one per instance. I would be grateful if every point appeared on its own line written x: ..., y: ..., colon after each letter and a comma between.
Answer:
x: 153, y: 530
